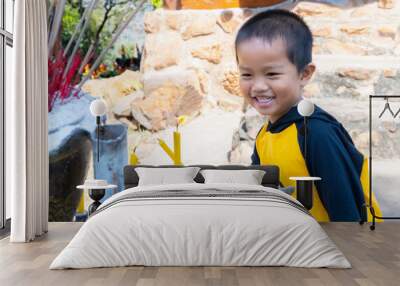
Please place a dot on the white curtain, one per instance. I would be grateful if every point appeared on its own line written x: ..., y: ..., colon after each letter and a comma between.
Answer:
x: 26, y: 117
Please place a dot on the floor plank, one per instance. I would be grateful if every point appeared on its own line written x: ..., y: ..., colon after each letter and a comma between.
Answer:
x: 374, y: 255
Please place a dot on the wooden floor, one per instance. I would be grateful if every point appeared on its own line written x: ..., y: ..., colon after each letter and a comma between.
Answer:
x: 375, y: 257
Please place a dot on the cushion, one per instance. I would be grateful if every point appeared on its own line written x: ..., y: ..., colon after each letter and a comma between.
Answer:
x: 270, y: 179
x: 162, y: 176
x: 248, y: 177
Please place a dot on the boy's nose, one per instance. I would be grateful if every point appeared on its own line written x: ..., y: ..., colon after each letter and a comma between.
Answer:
x: 260, y: 86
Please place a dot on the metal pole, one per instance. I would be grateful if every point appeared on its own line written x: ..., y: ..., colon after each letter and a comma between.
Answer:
x: 98, y: 137
x: 305, y: 138
x: 370, y: 150
x: 371, y: 208
x: 370, y: 165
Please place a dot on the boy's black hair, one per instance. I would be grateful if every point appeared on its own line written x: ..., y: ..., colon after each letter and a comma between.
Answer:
x: 272, y: 24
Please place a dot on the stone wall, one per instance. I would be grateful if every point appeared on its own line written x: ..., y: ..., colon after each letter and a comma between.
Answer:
x: 189, y: 57
x: 189, y: 68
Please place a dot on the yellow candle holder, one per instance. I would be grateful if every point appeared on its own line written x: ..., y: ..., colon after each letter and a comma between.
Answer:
x: 177, y: 148
x: 176, y: 154
x: 133, y: 158
x: 81, y: 207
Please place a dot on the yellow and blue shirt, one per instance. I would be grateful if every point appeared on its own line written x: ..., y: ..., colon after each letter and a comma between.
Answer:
x: 331, y: 155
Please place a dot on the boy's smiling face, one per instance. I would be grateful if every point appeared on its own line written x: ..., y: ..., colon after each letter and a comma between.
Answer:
x: 268, y: 80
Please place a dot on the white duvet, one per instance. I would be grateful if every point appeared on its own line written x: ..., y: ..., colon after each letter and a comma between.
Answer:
x: 183, y: 231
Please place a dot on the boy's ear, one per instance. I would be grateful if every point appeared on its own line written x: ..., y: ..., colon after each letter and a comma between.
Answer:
x: 307, y: 74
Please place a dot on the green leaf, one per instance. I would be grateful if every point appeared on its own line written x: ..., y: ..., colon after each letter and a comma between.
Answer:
x: 157, y: 3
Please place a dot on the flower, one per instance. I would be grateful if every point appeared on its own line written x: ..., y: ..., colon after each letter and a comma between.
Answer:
x: 180, y: 121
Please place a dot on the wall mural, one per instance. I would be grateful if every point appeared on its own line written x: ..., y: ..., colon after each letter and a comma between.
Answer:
x: 170, y: 83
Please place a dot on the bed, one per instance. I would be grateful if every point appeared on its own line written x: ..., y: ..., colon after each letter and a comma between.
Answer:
x: 201, y: 224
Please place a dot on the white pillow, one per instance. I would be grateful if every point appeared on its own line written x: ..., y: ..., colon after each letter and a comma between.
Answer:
x: 248, y: 177
x: 163, y: 176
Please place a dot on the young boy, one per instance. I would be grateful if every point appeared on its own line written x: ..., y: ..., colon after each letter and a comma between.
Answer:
x: 274, y: 55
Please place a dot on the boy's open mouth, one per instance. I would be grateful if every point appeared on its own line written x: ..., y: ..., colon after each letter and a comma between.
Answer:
x: 264, y: 101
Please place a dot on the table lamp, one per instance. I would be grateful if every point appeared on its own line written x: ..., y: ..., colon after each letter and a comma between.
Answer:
x: 98, y: 108
x: 304, y: 185
x: 306, y: 109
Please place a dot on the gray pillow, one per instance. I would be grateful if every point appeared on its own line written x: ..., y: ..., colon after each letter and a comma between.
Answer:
x: 248, y: 177
x: 163, y: 176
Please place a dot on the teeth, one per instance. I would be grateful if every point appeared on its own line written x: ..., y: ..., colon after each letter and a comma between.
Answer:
x: 264, y: 99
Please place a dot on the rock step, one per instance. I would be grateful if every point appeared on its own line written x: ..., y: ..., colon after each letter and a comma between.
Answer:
x: 349, y: 77
x: 329, y: 62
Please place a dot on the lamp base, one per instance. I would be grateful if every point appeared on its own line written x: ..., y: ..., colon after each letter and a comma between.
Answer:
x: 96, y: 195
x: 305, y: 193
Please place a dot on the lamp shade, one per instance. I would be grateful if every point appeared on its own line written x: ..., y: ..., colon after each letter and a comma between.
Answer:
x: 98, y: 107
x: 305, y: 107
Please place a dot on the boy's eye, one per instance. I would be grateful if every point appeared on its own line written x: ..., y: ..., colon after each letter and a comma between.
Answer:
x: 272, y: 74
x: 245, y: 75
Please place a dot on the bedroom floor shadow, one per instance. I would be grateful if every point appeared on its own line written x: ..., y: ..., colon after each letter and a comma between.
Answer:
x: 374, y: 255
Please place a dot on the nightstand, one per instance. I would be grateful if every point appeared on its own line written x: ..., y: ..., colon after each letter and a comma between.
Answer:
x: 97, y: 190
x: 304, y: 191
